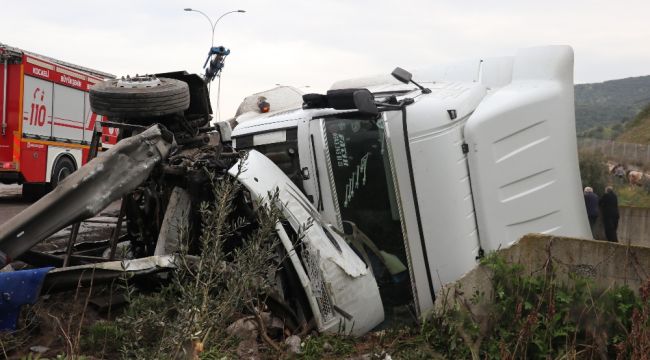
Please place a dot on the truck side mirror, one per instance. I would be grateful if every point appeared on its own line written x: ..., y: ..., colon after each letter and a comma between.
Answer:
x: 365, y: 102
x: 402, y: 75
x: 406, y: 77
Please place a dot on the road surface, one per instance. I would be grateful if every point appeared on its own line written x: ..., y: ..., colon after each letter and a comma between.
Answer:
x: 11, y: 202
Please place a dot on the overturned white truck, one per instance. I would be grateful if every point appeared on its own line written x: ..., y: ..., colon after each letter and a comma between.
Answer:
x: 405, y: 185
x: 423, y: 178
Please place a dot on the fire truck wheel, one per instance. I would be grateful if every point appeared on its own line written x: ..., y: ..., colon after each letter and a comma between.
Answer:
x: 62, y: 168
x: 139, y: 97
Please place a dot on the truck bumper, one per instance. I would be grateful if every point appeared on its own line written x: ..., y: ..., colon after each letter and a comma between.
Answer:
x: 11, y: 177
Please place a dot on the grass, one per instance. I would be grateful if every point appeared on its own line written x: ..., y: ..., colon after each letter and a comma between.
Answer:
x: 327, y: 346
x: 103, y: 337
x: 633, y: 196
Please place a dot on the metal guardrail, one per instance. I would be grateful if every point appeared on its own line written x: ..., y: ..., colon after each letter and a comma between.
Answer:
x: 617, y: 151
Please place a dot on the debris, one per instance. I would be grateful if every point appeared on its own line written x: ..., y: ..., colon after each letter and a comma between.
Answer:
x: 248, y: 349
x: 244, y: 328
x: 293, y: 343
x: 327, y: 347
x: 39, y: 349
x: 7, y: 268
x: 66, y: 278
x: 87, y: 191
x: 18, y: 288
x: 105, y: 303
x: 274, y: 325
x: 192, y: 349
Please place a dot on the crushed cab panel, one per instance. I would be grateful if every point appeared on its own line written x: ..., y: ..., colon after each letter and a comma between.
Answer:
x: 342, y: 291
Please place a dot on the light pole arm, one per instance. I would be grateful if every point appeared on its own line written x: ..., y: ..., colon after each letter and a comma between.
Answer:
x: 212, y: 26
x: 216, y: 22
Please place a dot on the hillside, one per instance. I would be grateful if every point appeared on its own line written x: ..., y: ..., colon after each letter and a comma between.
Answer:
x: 611, y: 102
x: 637, y: 131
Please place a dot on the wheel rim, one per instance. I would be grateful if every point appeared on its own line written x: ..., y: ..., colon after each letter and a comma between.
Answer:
x: 138, y: 82
x: 63, y: 173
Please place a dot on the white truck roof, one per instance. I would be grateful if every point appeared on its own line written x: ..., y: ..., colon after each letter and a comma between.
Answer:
x: 280, y: 98
x: 492, y: 72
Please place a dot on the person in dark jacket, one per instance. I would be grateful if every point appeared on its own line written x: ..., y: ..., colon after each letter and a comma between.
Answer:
x: 591, y: 202
x: 609, y: 206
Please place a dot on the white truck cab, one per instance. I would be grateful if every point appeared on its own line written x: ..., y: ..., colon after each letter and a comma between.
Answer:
x: 467, y: 160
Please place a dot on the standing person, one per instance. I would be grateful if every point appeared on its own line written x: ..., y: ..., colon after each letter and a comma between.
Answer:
x: 609, y: 205
x: 591, y: 202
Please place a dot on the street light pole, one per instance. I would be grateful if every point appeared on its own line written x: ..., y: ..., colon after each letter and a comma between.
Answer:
x: 213, y: 26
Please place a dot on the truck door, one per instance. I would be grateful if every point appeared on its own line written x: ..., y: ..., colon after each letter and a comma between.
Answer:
x: 351, y: 151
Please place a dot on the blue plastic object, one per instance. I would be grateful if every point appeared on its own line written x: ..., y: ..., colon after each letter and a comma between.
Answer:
x: 216, y: 58
x: 18, y: 288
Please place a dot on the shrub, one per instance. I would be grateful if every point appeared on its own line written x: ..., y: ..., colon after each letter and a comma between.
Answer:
x: 210, y: 289
x: 593, y: 170
x: 543, y: 317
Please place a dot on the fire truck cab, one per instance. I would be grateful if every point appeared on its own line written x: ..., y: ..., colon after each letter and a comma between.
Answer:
x: 46, y: 123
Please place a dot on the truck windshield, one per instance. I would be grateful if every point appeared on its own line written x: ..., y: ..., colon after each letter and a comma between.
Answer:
x: 366, y: 197
x: 283, y: 153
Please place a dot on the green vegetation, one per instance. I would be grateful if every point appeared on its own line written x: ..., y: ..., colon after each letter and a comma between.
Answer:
x: 209, y: 291
x: 604, y: 133
x: 638, y: 131
x: 334, y: 347
x: 593, y: 171
x: 104, y: 337
x: 609, y: 103
x: 634, y: 196
x: 543, y: 317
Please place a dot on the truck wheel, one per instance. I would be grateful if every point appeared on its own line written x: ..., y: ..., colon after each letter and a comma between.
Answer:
x: 140, y: 96
x: 62, y: 168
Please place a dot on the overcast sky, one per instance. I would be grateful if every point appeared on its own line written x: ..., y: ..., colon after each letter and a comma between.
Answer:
x: 313, y: 43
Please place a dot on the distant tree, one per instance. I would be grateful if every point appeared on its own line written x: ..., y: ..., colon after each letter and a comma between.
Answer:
x: 643, y: 114
x: 597, y: 132
x: 593, y: 170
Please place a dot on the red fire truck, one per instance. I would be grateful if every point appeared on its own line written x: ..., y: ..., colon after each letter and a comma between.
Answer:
x: 46, y: 121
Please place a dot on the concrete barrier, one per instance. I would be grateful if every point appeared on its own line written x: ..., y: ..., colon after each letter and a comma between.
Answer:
x: 633, y: 226
x: 607, y: 264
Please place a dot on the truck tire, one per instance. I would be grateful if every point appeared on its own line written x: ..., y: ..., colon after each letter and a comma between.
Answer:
x: 139, y: 97
x: 63, y: 167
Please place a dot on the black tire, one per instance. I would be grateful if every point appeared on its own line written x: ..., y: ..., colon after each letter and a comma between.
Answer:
x: 61, y: 170
x: 170, y: 96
